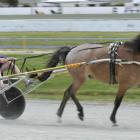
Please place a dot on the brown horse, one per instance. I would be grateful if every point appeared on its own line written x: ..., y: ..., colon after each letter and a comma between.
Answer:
x: 126, y: 75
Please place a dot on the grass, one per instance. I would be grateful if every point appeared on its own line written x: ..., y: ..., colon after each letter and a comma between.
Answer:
x: 91, y: 90
x: 25, y: 39
x: 54, y: 88
x: 66, y: 34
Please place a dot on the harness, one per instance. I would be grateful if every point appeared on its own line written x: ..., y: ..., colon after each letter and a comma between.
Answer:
x: 113, y: 55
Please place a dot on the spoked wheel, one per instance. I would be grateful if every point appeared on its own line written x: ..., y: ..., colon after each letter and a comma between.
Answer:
x: 15, y: 105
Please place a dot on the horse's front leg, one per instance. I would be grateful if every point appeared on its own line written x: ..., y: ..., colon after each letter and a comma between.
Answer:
x: 117, y: 103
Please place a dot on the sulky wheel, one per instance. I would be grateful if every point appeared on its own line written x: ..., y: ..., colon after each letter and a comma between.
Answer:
x: 15, y: 108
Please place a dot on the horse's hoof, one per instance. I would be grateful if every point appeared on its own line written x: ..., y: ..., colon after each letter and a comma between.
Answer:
x: 113, y: 120
x: 59, y: 120
x: 81, y: 114
x: 81, y: 117
x: 115, y: 125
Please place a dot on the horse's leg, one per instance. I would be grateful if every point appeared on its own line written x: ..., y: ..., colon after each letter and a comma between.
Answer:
x: 79, y: 107
x: 76, y: 85
x: 70, y: 92
x: 117, y: 103
x: 66, y: 97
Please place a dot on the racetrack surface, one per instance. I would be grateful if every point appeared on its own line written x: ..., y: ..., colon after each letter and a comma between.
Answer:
x: 39, y: 122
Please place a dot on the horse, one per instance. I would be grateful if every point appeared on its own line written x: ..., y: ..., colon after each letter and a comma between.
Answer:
x: 126, y: 75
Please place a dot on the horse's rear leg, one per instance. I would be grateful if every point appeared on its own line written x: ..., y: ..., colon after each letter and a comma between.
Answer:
x: 117, y: 103
x: 70, y: 92
x: 79, y: 107
x: 66, y: 97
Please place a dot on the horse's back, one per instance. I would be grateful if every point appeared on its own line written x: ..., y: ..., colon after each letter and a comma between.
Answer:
x: 127, y: 75
x: 84, y: 53
x: 99, y: 71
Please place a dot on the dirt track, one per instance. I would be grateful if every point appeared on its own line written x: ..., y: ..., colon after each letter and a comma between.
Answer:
x: 39, y: 122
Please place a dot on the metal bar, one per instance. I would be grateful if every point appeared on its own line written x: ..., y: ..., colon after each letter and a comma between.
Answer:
x: 2, y: 91
x: 28, y: 89
x: 44, y: 70
x: 9, y: 86
x: 130, y: 62
x: 74, y: 65
x: 37, y: 83
x: 22, y: 78
x: 103, y: 60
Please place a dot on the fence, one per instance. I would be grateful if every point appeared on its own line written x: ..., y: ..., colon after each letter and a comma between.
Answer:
x: 68, y: 10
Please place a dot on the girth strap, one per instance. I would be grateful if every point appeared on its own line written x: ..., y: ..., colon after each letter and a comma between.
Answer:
x: 113, y: 56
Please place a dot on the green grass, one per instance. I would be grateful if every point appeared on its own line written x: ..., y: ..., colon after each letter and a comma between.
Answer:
x: 24, y: 38
x: 54, y: 88
x: 91, y: 90
x: 66, y: 34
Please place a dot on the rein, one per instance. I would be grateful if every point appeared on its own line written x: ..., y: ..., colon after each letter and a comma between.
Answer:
x: 14, y: 60
x: 34, y: 56
x: 29, y: 57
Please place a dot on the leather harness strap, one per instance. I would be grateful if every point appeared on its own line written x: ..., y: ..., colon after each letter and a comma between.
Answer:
x: 113, y: 55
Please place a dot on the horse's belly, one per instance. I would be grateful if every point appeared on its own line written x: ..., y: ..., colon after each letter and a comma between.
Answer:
x: 99, y: 71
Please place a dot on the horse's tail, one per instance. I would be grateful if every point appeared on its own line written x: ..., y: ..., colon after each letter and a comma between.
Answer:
x: 58, y: 56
